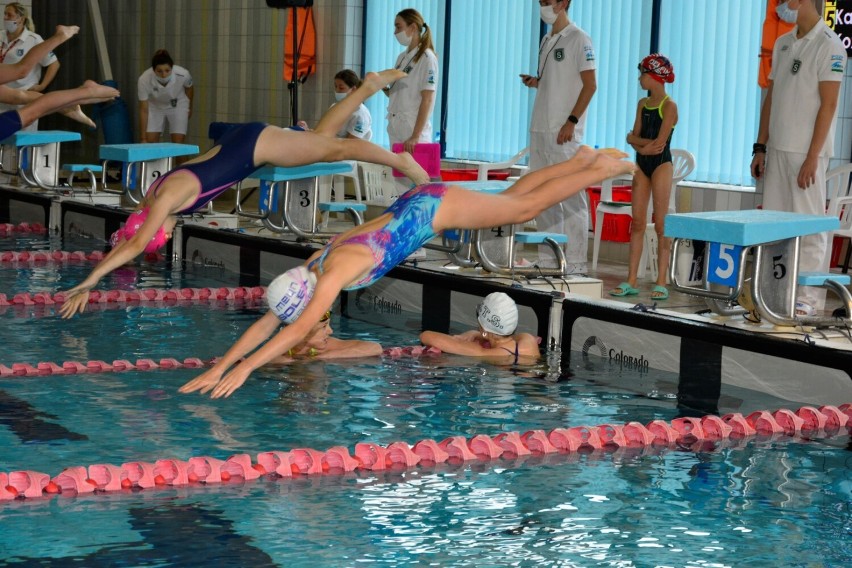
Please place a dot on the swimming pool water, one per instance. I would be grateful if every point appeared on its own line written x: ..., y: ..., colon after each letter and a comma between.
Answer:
x: 778, y: 502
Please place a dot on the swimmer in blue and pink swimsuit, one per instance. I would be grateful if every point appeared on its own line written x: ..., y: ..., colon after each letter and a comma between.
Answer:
x: 409, y: 228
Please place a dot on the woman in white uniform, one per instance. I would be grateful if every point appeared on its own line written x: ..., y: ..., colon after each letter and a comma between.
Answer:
x: 165, y: 96
x: 412, y: 98
x: 360, y: 124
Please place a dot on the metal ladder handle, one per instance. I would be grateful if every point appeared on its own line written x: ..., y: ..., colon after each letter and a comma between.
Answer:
x: 21, y: 170
x: 259, y: 214
x: 757, y: 282
x: 705, y: 292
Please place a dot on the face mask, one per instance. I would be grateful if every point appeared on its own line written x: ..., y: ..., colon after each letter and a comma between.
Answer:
x: 548, y: 16
x: 403, y: 38
x: 11, y: 26
x: 164, y: 80
x: 340, y: 96
x: 786, y: 14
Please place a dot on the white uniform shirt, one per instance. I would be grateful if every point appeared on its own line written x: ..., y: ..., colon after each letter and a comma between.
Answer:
x: 171, y: 94
x: 422, y: 76
x: 359, y: 125
x: 798, y: 66
x: 15, y: 50
x: 561, y: 58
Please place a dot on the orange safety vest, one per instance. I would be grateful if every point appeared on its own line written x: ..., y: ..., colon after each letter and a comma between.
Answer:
x: 773, y: 28
x: 306, y: 44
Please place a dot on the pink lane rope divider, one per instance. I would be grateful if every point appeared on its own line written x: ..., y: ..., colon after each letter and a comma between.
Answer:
x: 689, y: 433
x: 43, y: 257
x: 239, y: 294
x: 45, y: 368
x: 7, y: 228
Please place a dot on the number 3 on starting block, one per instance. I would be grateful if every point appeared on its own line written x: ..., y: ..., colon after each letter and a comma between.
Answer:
x: 724, y: 266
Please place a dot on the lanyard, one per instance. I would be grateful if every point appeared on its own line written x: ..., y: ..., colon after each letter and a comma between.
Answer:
x: 541, y: 67
x: 3, y: 52
x: 407, y: 63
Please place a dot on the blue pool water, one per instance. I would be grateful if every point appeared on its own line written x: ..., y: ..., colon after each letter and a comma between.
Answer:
x: 778, y: 502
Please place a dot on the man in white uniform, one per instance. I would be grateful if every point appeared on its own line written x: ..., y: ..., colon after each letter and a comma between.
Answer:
x: 566, y: 83
x: 16, y: 40
x: 797, y: 123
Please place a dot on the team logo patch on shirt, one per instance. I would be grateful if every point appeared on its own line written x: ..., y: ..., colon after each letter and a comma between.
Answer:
x: 590, y: 53
x: 20, y: 52
x: 796, y: 64
x: 431, y: 79
x: 559, y: 54
x: 837, y: 67
x: 837, y: 58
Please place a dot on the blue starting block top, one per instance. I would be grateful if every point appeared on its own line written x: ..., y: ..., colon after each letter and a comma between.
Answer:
x: 746, y: 228
x: 278, y: 173
x: 536, y: 237
x: 341, y: 206
x: 129, y: 153
x: 485, y: 186
x: 41, y: 137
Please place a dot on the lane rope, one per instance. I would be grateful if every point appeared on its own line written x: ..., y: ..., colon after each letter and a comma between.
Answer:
x: 46, y: 368
x: 7, y: 228
x: 686, y: 433
x: 239, y: 293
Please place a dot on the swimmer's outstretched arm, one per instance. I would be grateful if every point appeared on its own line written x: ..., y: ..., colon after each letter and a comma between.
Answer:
x: 327, y: 289
x: 15, y: 71
x: 78, y: 297
x: 350, y: 349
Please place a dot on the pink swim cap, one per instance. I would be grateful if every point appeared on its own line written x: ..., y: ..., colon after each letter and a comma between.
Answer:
x: 132, y: 225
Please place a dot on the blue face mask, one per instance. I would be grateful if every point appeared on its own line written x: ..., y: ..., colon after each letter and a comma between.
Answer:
x: 786, y: 14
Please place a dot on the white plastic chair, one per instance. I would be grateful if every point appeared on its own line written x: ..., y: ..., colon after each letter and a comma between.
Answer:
x: 482, y: 173
x: 840, y: 206
x: 683, y: 162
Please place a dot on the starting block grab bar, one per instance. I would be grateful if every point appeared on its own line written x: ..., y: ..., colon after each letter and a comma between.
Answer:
x: 774, y: 237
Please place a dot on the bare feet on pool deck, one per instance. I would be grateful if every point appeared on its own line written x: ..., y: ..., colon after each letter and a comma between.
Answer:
x: 377, y: 81
x: 413, y: 170
x: 76, y: 113
x: 67, y: 31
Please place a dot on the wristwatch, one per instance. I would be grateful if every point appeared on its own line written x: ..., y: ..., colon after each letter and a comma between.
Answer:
x: 573, y: 119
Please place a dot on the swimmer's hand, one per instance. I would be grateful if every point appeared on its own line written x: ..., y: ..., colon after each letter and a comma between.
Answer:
x: 76, y: 300
x: 231, y: 382
x: 204, y: 382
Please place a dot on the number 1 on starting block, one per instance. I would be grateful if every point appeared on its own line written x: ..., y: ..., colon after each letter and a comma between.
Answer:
x: 724, y: 266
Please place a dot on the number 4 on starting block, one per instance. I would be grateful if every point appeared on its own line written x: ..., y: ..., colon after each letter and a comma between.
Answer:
x: 724, y: 264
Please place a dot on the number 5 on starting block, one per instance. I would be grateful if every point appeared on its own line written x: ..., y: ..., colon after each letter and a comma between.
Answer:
x: 724, y: 265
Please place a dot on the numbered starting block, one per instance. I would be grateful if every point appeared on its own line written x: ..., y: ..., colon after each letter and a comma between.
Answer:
x: 774, y: 238
x: 289, y: 199
x: 142, y: 164
x: 38, y: 155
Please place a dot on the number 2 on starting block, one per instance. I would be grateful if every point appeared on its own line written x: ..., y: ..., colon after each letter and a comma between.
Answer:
x: 724, y: 266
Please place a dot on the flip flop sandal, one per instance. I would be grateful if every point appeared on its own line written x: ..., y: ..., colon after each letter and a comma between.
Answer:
x: 625, y: 290
x: 661, y: 292
x: 752, y: 317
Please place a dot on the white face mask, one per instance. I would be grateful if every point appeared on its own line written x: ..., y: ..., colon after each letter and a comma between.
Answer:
x: 11, y: 26
x: 340, y: 96
x: 786, y: 14
x: 164, y: 80
x: 548, y: 16
x: 403, y: 38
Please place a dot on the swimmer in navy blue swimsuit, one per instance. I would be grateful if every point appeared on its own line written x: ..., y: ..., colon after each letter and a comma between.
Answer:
x: 235, y: 156
x: 358, y: 257
x: 656, y: 116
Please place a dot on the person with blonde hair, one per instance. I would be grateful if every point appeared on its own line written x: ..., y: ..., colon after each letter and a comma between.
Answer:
x: 412, y: 98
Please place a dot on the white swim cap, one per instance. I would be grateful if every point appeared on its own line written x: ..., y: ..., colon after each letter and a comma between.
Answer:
x: 498, y: 314
x: 288, y: 295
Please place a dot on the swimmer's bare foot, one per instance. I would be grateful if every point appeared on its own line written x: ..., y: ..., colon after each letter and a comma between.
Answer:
x: 67, y: 32
x: 96, y: 93
x: 611, y: 163
x: 76, y: 113
x: 376, y: 81
x: 412, y: 169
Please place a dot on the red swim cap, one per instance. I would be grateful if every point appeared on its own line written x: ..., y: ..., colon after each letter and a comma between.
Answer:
x: 658, y: 67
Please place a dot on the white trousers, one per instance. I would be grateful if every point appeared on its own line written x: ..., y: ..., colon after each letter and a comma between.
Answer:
x: 569, y: 217
x: 782, y: 193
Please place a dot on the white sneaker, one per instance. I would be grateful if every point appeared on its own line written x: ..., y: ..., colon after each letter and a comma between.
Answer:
x: 805, y: 309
